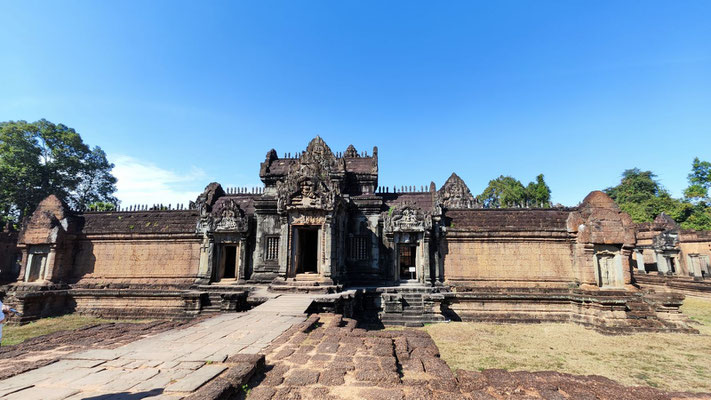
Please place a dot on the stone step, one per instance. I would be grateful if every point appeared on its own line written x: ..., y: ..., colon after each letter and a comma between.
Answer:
x: 304, y: 289
x: 308, y: 277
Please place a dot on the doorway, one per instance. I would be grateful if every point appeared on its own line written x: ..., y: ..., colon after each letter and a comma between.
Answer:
x: 228, y: 263
x: 306, y: 250
x: 671, y: 264
x: 406, y: 257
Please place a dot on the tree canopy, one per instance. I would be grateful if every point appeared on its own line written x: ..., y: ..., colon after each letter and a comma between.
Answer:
x: 643, y: 197
x: 506, y: 191
x: 41, y: 158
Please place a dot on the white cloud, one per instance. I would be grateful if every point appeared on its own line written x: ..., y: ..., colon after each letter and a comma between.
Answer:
x: 142, y: 182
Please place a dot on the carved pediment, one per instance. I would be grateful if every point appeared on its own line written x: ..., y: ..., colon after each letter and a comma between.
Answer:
x: 455, y: 194
x: 308, y: 183
x: 406, y: 217
x: 318, y: 153
x: 226, y: 216
x: 351, y: 152
x: 666, y: 241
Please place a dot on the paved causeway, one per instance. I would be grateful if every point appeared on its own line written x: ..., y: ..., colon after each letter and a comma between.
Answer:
x: 169, y: 365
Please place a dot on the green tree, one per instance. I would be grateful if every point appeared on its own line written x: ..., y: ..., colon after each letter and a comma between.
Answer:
x: 639, y: 195
x: 42, y: 158
x: 697, y: 196
x: 538, y: 194
x: 699, y: 182
x: 506, y: 191
x: 643, y: 198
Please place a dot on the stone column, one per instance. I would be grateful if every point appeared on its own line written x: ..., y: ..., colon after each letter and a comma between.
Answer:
x: 284, y: 247
x: 205, y: 267
x: 326, y: 243
x: 48, y: 272
x: 242, y: 276
x: 662, y: 265
x: 425, y: 244
x: 639, y: 255
x: 373, y: 222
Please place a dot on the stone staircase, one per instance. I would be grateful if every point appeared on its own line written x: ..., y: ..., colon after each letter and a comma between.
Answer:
x: 411, y: 306
x: 305, y: 283
x: 218, y: 298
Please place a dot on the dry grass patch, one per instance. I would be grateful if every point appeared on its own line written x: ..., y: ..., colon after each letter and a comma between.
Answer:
x: 14, y: 334
x: 666, y: 361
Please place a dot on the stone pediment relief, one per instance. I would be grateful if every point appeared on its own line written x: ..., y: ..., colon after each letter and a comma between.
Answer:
x: 406, y: 218
x: 455, y: 194
x: 308, y: 184
x: 666, y: 241
x: 226, y: 216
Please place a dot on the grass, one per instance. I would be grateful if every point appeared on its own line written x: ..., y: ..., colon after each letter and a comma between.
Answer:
x: 663, y: 360
x: 14, y: 334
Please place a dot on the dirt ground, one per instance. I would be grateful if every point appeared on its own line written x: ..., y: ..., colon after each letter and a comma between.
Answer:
x: 327, y: 357
x: 669, y: 361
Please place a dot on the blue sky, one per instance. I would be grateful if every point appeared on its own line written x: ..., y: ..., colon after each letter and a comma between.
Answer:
x: 183, y: 93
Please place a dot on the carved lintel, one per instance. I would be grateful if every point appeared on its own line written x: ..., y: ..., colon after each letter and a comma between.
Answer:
x: 406, y: 217
x: 306, y: 219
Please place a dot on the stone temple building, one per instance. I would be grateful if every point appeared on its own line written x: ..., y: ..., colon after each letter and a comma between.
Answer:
x: 322, y: 224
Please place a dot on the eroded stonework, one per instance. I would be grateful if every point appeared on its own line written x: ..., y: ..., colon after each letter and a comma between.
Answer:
x: 321, y: 223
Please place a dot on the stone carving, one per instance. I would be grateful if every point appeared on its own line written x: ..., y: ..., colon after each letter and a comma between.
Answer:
x: 455, y: 194
x: 302, y: 219
x: 666, y: 241
x: 219, y: 213
x: 406, y: 217
x: 227, y: 216
x: 351, y: 152
x: 308, y: 184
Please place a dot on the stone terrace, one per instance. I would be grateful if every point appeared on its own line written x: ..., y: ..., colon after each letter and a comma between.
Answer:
x: 170, y: 365
x: 327, y: 357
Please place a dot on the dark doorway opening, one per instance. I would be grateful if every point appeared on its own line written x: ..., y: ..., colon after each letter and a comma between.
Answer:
x: 230, y: 262
x: 307, y: 251
x: 406, y: 254
x: 672, y: 265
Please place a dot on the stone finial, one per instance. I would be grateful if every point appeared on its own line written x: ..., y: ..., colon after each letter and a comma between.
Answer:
x: 351, y: 152
x: 666, y: 222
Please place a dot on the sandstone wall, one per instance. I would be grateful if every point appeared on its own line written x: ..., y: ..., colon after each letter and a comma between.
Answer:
x: 530, y: 260
x: 140, y: 260
x: 516, y: 245
x: 694, y: 242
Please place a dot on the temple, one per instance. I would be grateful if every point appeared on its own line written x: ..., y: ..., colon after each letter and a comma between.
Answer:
x: 322, y: 224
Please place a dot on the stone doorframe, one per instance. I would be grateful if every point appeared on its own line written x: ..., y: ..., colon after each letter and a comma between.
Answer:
x: 314, y: 220
x: 40, y: 260
x: 295, y: 248
x: 421, y: 242
x: 609, y: 273
x: 211, y: 255
x: 665, y: 258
